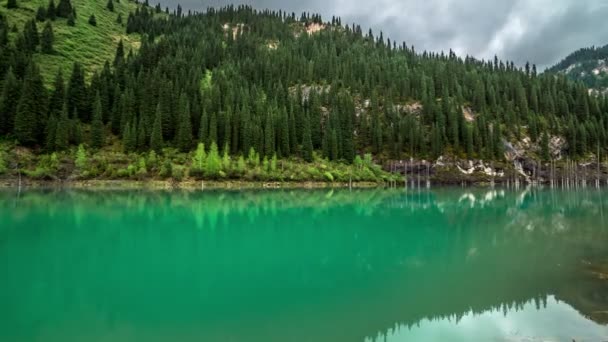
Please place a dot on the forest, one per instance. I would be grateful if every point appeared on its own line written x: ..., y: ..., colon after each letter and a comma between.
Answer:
x: 253, y: 85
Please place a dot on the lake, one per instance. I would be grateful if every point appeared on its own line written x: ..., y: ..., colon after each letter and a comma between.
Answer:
x: 295, y: 265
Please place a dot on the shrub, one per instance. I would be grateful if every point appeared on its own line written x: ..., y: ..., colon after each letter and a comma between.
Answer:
x: 92, y: 20
x: 81, y: 158
x: 328, y: 176
x: 3, y: 167
x: 179, y: 172
x: 166, y: 170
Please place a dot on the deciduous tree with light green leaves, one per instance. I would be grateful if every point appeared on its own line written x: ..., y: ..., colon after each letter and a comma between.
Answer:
x: 214, y: 162
x: 81, y: 158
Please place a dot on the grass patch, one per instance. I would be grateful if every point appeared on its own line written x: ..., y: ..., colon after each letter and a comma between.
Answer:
x: 90, y: 45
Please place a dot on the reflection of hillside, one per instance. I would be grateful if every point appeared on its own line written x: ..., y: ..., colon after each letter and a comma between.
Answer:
x: 349, y: 265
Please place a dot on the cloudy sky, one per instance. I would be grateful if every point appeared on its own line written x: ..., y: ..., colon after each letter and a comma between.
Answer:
x: 539, y: 31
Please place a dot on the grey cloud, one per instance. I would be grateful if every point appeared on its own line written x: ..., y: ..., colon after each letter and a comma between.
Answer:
x: 539, y: 31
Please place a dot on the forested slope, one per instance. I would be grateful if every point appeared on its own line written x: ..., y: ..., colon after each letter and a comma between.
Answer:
x: 588, y: 65
x: 242, y: 81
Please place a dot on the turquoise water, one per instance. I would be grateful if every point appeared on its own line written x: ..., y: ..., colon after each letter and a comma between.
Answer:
x: 366, y: 265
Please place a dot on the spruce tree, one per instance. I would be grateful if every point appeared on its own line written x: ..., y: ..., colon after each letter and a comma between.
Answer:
x: 29, y: 118
x: 11, y: 4
x: 307, y: 141
x: 110, y: 5
x: 119, y: 56
x: 51, y: 131
x: 8, y: 102
x: 184, y: 131
x: 97, y: 128
x: 47, y: 38
x: 92, y: 20
x: 57, y: 99
x: 62, y: 134
x: 156, y: 138
x: 41, y: 14
x: 30, y: 35
x: 51, y: 10
x: 64, y: 9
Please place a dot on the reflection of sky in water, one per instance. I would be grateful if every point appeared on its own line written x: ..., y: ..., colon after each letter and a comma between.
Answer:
x: 528, y: 324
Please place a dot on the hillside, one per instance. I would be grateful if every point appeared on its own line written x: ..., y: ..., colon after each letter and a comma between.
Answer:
x: 246, y: 88
x: 91, y: 46
x: 589, y: 65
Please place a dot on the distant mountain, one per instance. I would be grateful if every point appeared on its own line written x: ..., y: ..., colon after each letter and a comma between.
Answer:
x: 589, y: 65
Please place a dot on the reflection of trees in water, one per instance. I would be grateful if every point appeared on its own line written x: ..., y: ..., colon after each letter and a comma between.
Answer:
x: 366, y: 259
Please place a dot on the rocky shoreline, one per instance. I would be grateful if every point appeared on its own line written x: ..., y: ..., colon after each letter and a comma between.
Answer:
x: 98, y: 184
x: 444, y: 171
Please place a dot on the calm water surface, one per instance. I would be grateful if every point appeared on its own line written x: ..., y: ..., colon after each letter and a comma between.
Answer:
x: 368, y: 265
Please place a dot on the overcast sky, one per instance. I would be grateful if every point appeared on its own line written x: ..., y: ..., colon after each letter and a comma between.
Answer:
x: 540, y: 31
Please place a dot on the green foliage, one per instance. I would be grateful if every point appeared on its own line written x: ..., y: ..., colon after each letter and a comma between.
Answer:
x: 110, y: 5
x: 184, y: 132
x: 3, y: 166
x: 97, y: 128
x: 92, y: 20
x: 47, y: 38
x: 214, y: 163
x: 199, y: 161
x: 188, y: 79
x: 41, y: 14
x: 31, y: 108
x: 166, y: 169
x: 81, y: 158
x: 10, y: 4
x: 51, y: 10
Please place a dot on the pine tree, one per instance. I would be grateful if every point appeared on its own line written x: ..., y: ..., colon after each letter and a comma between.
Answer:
x: 62, y: 134
x: 57, y: 99
x: 41, y: 14
x: 8, y: 102
x: 64, y: 9
x: 110, y: 6
x: 97, y: 128
x: 71, y: 20
x: 184, y: 131
x: 51, y: 10
x: 307, y: 142
x: 92, y: 20
x: 30, y: 35
x: 544, y: 147
x: 77, y: 96
x: 29, y: 119
x: 120, y: 53
x: 51, y: 131
x: 11, y: 4
x: 47, y: 38
x: 156, y: 138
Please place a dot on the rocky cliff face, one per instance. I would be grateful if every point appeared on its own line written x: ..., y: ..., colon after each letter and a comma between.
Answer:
x: 520, y: 166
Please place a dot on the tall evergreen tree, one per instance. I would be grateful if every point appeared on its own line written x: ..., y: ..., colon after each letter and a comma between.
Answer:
x: 307, y: 141
x: 62, y: 134
x: 156, y: 138
x: 47, y: 38
x: 97, y: 128
x: 8, y: 102
x: 30, y: 117
x: 64, y: 9
x: 51, y: 10
x: 184, y: 131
